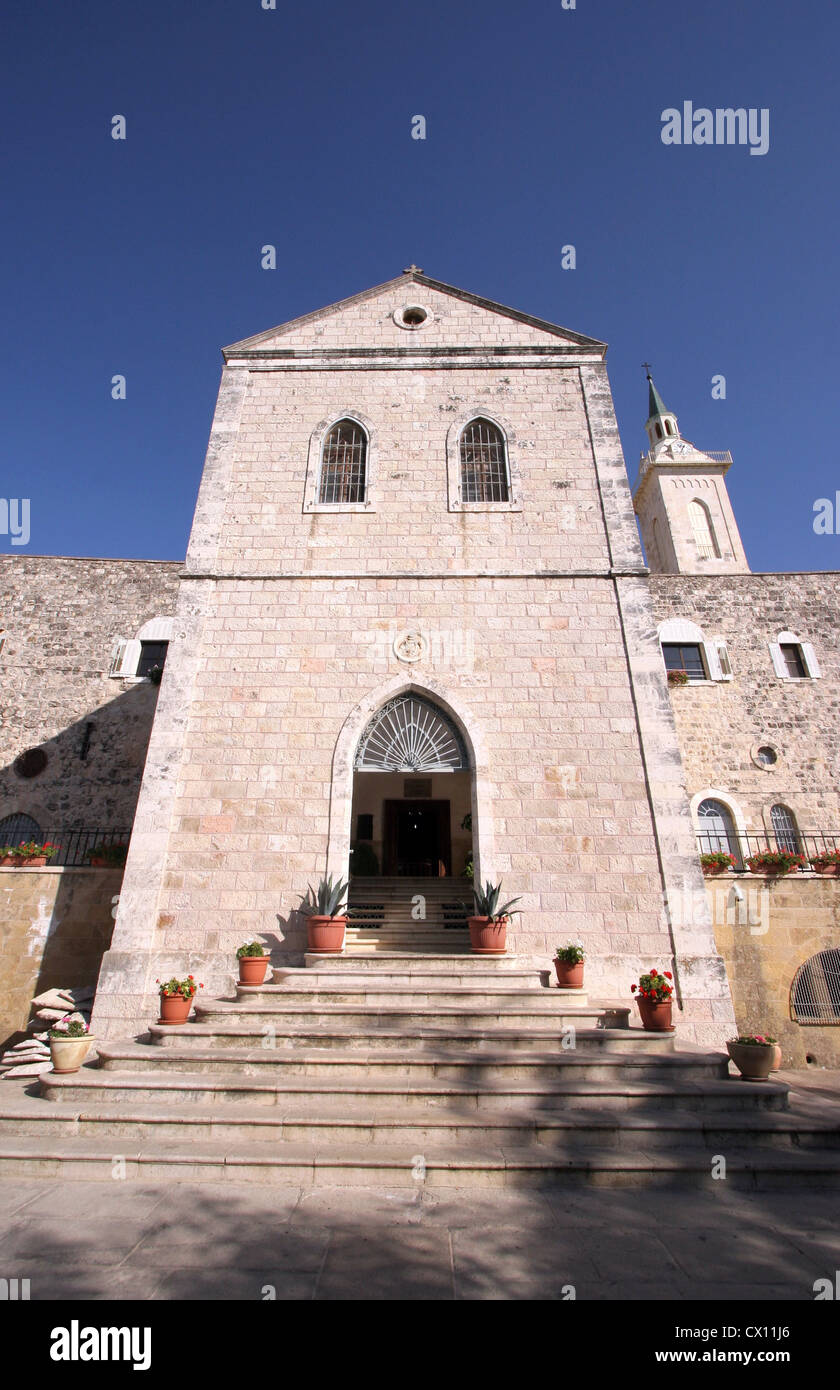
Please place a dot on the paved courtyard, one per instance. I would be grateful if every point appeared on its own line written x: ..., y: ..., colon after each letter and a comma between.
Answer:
x: 119, y: 1240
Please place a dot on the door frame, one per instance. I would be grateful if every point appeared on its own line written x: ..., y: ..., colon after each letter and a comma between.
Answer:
x: 390, y: 806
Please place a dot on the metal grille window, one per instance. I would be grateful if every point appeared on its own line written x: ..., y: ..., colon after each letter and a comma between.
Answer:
x: 682, y: 656
x: 704, y: 534
x: 815, y: 993
x: 792, y: 657
x: 484, y: 474
x: 717, y: 830
x: 344, y: 464
x: 14, y: 829
x: 784, y: 829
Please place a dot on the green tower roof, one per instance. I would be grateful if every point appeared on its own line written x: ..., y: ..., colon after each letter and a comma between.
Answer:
x: 656, y: 405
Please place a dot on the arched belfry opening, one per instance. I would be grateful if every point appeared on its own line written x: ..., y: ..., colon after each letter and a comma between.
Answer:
x: 413, y: 793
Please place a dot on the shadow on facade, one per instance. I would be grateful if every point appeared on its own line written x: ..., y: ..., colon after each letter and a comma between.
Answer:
x: 56, y: 924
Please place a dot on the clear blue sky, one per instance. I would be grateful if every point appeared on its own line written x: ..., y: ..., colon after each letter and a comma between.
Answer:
x: 292, y: 126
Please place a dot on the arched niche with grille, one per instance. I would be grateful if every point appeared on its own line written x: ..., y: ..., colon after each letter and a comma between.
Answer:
x: 483, y: 457
x: 410, y: 734
x: 815, y: 992
x: 343, y: 474
x: 14, y: 829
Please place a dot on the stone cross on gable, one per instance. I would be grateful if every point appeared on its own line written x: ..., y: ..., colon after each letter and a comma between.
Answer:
x: 413, y: 269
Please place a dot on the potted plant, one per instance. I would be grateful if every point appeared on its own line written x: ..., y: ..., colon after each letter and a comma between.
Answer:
x: 488, y: 927
x: 176, y: 997
x: 653, y: 996
x: 325, y: 924
x: 155, y: 673
x: 469, y: 866
x: 253, y: 963
x: 7, y: 857
x: 30, y: 854
x: 107, y: 856
x: 678, y: 678
x: 568, y: 962
x: 775, y: 861
x: 755, y: 1055
x: 70, y: 1041
x: 716, y: 862
x: 826, y: 862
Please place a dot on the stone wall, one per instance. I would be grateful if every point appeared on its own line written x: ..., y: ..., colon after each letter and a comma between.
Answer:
x: 55, y: 925
x: 61, y: 620
x: 791, y: 919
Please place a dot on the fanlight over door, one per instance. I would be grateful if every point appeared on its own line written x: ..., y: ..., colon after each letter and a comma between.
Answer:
x: 410, y: 735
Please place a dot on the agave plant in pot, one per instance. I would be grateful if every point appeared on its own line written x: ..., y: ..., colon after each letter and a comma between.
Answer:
x: 488, y: 926
x: 253, y: 963
x: 176, y: 997
x: 568, y: 962
x: 653, y: 996
x: 70, y: 1040
x: 325, y: 923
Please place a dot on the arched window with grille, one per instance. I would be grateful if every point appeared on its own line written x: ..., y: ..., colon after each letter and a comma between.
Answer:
x: 785, y: 830
x: 815, y: 992
x: 343, y: 476
x: 703, y: 531
x: 716, y: 830
x: 14, y: 829
x: 484, y: 467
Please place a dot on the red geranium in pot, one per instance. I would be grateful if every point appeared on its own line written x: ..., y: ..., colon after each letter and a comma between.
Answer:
x: 176, y: 997
x: 653, y: 996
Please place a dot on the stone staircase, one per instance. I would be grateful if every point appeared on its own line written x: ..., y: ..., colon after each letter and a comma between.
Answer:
x: 382, y: 915
x: 405, y: 1069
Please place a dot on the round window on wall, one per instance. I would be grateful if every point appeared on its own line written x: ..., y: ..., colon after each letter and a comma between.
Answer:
x: 30, y: 763
x: 412, y: 316
x: 765, y: 755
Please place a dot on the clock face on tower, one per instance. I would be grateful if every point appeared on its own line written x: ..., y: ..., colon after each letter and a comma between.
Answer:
x: 677, y: 447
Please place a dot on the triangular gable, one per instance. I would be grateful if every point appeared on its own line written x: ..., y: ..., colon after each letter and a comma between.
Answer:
x: 457, y: 319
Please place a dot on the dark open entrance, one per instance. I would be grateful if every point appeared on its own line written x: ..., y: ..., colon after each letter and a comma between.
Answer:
x: 417, y: 841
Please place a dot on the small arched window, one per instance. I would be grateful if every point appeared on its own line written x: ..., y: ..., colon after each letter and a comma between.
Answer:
x: 484, y: 471
x: 785, y: 831
x: 815, y: 992
x: 717, y: 830
x: 343, y: 464
x: 14, y: 829
x: 703, y: 531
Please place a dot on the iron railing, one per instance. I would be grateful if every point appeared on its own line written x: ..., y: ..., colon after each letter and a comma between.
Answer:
x: 741, y: 845
x: 74, y: 845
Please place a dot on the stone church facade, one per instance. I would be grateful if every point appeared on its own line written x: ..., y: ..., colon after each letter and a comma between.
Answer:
x: 415, y: 626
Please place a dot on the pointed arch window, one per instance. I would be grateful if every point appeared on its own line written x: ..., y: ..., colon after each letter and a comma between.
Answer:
x: 703, y: 531
x: 410, y: 734
x: 343, y: 477
x: 484, y: 470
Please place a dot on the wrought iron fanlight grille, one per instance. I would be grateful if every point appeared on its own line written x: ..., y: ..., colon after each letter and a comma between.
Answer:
x: 410, y: 735
x: 815, y: 994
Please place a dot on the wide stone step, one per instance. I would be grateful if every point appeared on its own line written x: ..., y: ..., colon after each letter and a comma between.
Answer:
x: 363, y: 1017
x: 302, y: 1165
x: 297, y: 1121
x: 357, y: 976
x: 426, y: 1063
x: 287, y: 1035
x: 316, y: 992
x: 448, y: 963
x: 547, y: 1092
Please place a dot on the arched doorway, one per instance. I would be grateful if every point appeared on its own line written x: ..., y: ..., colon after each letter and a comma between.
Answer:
x: 412, y: 801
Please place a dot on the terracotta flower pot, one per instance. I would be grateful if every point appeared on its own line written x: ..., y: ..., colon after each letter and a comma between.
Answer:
x: 656, y: 1017
x: 174, y: 1008
x: 252, y: 969
x: 777, y: 1057
x: 753, y: 1060
x: 487, y: 938
x: 827, y: 870
x: 713, y: 870
x: 97, y: 862
x: 8, y: 861
x: 68, y: 1053
x: 326, y: 935
x: 35, y: 861
x: 569, y: 976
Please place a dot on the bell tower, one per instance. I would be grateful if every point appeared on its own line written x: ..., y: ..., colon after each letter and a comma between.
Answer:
x: 681, y: 499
